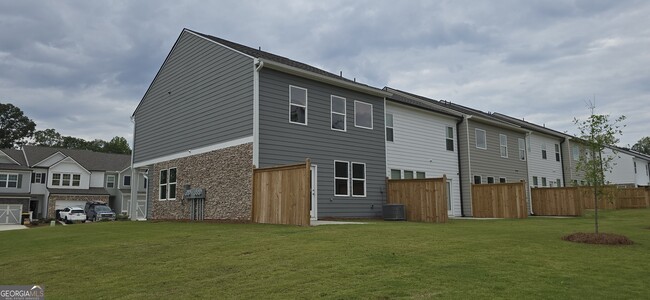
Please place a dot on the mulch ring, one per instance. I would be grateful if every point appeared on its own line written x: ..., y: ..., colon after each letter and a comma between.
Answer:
x: 601, y: 238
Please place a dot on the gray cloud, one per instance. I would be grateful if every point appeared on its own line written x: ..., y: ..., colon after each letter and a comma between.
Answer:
x: 82, y: 66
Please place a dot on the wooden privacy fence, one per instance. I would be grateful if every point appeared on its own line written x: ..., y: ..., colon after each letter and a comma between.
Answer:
x: 633, y: 198
x: 499, y: 200
x: 425, y: 200
x: 556, y: 202
x: 281, y: 195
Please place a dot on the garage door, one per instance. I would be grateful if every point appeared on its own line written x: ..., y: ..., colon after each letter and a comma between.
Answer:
x: 10, y: 213
x: 61, y: 204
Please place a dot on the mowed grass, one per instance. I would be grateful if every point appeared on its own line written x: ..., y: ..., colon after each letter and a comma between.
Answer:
x: 460, y: 259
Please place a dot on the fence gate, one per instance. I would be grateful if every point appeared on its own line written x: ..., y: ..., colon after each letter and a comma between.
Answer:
x: 196, y: 197
x: 282, y: 195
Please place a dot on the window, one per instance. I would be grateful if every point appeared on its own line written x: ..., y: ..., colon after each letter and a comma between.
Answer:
x: 558, y: 182
x: 646, y: 170
x: 167, y: 184
x: 341, y: 178
x: 66, y: 180
x: 10, y: 181
x: 297, y: 105
x: 634, y: 167
x: 480, y: 138
x: 449, y: 138
x: 358, y: 179
x: 395, y: 174
x: 38, y: 178
x: 362, y: 115
x: 490, y: 180
x: 502, y: 180
x: 408, y: 174
x: 420, y: 175
x: 535, y: 181
x: 110, y: 181
x: 76, y: 179
x: 522, y: 149
x: 557, y: 152
x: 389, y: 128
x: 543, y: 150
x: 543, y: 181
x: 477, y: 179
x: 582, y: 182
x: 503, y: 145
x: 56, y: 179
x: 338, y: 110
x: 575, y: 182
x: 127, y: 180
x: 575, y: 152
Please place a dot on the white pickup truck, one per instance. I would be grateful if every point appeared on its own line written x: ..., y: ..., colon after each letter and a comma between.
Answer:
x: 71, y: 214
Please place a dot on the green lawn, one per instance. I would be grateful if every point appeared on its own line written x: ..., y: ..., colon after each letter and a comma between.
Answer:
x: 460, y: 259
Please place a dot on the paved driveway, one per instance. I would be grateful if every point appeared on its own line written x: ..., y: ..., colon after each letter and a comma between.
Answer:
x: 12, y: 227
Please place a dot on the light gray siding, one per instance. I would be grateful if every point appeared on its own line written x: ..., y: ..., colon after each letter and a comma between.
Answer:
x: 203, y: 95
x: 488, y: 162
x: 281, y: 142
x: 23, y: 183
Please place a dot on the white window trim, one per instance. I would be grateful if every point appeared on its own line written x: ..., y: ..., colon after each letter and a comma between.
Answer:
x: 505, y: 180
x: 107, y: 177
x: 299, y: 105
x: 544, y: 152
x: 535, y: 181
x: 557, y: 152
x: 175, y: 183
x: 488, y: 180
x: 391, y: 127
x: 503, y: 146
x: 347, y: 179
x: 160, y: 185
x: 404, y: 174
x: 124, y: 180
x: 476, y: 130
x: 544, y: 181
x: 453, y: 141
x: 61, y: 179
x: 332, y: 112
x: 7, y: 181
x: 371, y: 115
x: 521, y: 149
x: 352, y: 179
x: 474, y: 179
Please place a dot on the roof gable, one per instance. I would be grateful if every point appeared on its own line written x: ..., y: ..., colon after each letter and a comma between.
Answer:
x: 69, y: 160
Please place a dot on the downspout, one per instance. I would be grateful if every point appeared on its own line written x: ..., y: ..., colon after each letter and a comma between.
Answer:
x: 256, y: 111
x: 530, y: 195
x: 460, y: 169
x: 562, y: 162
x: 469, y: 157
x: 134, y: 180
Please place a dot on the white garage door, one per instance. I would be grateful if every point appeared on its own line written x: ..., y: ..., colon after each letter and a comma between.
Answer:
x: 61, y: 204
x: 10, y: 213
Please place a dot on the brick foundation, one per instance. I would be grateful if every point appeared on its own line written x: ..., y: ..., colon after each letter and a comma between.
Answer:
x: 225, y: 174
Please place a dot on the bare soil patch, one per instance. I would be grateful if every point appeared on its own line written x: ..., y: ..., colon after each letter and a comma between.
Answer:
x: 600, y: 239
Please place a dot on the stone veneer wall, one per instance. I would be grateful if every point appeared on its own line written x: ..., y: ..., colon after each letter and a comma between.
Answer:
x: 51, y: 203
x: 225, y: 174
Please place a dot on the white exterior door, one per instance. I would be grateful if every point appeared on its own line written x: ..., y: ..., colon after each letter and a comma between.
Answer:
x: 313, y: 207
x: 450, y: 204
x: 10, y: 213
x: 141, y: 209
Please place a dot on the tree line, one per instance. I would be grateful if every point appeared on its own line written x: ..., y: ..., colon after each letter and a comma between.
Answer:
x: 16, y: 130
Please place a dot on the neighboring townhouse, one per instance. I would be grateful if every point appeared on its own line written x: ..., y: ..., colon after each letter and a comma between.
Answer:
x: 216, y: 109
x: 628, y: 167
x: 544, y: 154
x: 422, y: 142
x: 44, y: 179
x: 574, y: 149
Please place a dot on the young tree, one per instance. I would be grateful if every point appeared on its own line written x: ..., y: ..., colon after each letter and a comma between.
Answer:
x: 15, y: 127
x: 643, y: 145
x: 597, y: 132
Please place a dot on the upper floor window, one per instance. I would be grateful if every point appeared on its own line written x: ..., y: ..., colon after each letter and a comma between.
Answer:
x: 167, y: 184
x: 9, y: 181
x: 503, y: 145
x: 66, y: 179
x: 38, y: 178
x: 127, y: 180
x: 543, y: 150
x: 557, y: 152
x: 634, y: 167
x: 575, y: 152
x: 522, y: 149
x: 449, y: 138
x: 481, y: 142
x: 389, y: 127
x: 362, y: 115
x: 338, y: 111
x: 110, y: 181
x: 297, y: 105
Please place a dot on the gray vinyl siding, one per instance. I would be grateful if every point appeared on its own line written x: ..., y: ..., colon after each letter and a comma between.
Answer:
x: 488, y: 162
x: 281, y: 142
x: 203, y: 95
x: 24, y: 181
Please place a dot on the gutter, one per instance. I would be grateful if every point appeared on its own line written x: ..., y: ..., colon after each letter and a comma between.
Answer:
x: 322, y: 78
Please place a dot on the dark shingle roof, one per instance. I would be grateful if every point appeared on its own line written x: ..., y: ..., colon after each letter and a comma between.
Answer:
x: 90, y: 191
x: 276, y: 58
x: 418, y: 101
x: 16, y: 155
x: 13, y: 167
x: 530, y: 126
x: 92, y: 161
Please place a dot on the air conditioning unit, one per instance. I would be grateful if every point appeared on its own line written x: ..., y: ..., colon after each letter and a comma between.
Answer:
x: 394, y: 212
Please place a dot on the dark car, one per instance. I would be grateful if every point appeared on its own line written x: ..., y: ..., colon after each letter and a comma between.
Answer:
x: 97, y: 211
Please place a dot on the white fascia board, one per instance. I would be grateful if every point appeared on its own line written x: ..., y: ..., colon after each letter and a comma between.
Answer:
x: 9, y: 157
x: 190, y: 152
x: 70, y: 159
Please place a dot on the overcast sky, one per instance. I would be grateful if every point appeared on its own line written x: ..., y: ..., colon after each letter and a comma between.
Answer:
x: 81, y: 67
